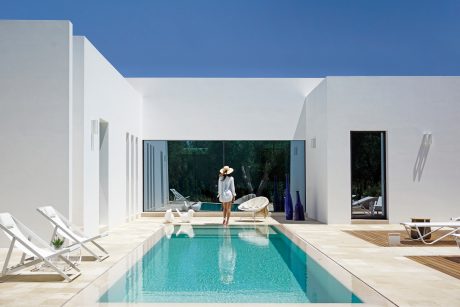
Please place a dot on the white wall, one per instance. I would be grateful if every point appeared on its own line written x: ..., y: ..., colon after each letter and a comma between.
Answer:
x: 297, y: 171
x: 107, y: 96
x: 404, y: 107
x: 35, y: 110
x: 316, y: 153
x: 154, y: 196
x: 195, y: 108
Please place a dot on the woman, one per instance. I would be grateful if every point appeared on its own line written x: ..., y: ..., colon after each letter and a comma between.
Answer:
x: 227, y: 193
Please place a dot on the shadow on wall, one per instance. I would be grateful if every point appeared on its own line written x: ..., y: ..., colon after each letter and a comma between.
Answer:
x: 422, y: 156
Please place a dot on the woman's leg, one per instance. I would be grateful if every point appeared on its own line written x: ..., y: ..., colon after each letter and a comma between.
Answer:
x: 224, y: 212
x: 229, y: 209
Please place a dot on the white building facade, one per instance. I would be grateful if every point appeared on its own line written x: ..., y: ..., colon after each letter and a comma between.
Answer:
x: 72, y: 129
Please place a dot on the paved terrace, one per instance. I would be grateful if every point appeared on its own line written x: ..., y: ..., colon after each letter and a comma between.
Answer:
x: 386, y: 269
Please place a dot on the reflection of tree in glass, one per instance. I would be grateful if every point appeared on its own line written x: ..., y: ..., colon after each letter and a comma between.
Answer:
x: 194, y: 165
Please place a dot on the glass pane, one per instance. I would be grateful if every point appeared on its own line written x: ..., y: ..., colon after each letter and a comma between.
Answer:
x: 368, y: 174
x: 193, y: 168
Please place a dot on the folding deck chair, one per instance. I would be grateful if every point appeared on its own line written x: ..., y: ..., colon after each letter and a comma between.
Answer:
x: 64, y: 228
x: 35, y: 250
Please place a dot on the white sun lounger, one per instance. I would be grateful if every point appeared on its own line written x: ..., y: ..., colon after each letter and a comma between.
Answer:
x: 64, y: 228
x: 457, y: 238
x: 35, y: 250
x: 452, y: 226
x: 360, y: 204
x: 178, y: 196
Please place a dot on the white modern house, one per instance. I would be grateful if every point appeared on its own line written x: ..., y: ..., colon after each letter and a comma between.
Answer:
x: 72, y: 129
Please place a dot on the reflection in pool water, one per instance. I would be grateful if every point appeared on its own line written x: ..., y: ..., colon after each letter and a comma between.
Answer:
x: 227, y: 257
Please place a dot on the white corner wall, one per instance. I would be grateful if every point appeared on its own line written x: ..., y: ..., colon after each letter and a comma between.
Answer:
x: 196, y: 108
x: 316, y: 153
x: 406, y: 108
x: 106, y: 96
x: 155, y: 175
x: 35, y: 111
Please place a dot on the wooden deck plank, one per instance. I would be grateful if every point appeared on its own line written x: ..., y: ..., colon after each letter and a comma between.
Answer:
x: 449, y: 265
x: 380, y: 238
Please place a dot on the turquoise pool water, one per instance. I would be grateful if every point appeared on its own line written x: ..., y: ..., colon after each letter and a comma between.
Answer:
x: 216, y: 207
x: 217, y: 264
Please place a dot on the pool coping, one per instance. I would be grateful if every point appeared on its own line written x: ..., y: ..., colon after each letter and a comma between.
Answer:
x: 359, y: 287
x: 93, y: 291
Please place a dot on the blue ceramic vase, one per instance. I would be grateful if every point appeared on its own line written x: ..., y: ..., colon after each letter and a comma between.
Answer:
x: 299, y: 213
x: 288, y: 200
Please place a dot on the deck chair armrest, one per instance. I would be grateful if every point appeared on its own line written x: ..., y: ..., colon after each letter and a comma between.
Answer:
x: 101, y: 235
x: 73, y: 247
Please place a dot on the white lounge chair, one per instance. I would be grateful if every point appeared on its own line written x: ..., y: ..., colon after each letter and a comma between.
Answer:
x: 255, y: 205
x: 377, y: 206
x: 64, y: 228
x: 361, y: 204
x: 35, y: 250
x: 178, y: 197
x: 452, y: 226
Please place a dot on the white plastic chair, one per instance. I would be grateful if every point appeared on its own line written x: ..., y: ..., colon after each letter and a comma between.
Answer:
x: 33, y: 246
x: 187, y: 216
x: 255, y: 205
x: 64, y: 228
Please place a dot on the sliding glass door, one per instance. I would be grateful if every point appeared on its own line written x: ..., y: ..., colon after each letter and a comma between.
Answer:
x: 368, y: 174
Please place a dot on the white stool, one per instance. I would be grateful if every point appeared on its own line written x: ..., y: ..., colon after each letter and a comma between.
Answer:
x: 394, y: 239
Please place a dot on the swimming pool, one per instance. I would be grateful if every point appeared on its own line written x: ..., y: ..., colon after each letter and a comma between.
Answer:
x: 215, y: 264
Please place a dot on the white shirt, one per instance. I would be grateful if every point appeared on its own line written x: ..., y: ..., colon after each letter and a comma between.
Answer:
x: 225, y: 186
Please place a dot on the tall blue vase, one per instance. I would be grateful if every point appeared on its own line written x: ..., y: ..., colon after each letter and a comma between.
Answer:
x: 276, y: 198
x: 299, y: 214
x: 288, y: 200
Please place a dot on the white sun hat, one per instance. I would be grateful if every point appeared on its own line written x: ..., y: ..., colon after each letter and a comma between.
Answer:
x: 226, y: 170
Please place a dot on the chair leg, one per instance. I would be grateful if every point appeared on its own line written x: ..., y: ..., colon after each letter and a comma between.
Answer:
x: 60, y: 272
x: 100, y: 247
x: 73, y: 266
x: 8, y: 256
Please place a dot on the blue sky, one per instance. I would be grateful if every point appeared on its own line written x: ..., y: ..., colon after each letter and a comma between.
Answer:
x: 262, y: 38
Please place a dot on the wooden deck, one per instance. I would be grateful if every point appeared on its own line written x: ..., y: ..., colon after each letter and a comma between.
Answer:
x: 447, y: 264
x: 380, y: 238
